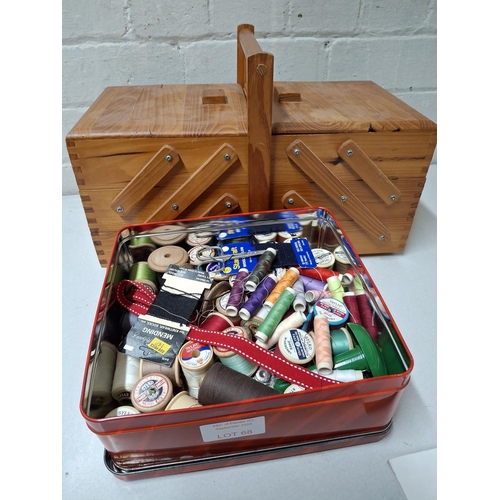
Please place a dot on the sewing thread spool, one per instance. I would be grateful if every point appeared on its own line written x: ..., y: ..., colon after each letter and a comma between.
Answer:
x: 324, y: 356
x: 335, y: 286
x: 261, y: 269
x: 196, y: 252
x: 103, y: 376
x: 182, y: 400
x: 286, y: 235
x: 220, y: 384
x: 341, y: 341
x: 296, y: 346
x: 198, y: 239
x: 142, y: 273
x: 122, y: 410
x: 152, y: 393
x: 367, y: 314
x: 163, y: 257
x: 286, y: 281
x: 233, y: 360
x: 293, y: 388
x: 265, y: 237
x: 195, y: 360
x: 127, y: 373
x: 257, y: 298
x: 324, y: 258
x: 294, y: 320
x: 342, y: 262
x: 147, y: 367
x: 351, y: 302
x: 312, y: 283
x: 334, y: 310
x: 275, y: 315
x: 343, y: 375
x: 237, y: 295
x: 300, y: 302
x: 140, y: 247
x: 216, y: 322
x: 222, y: 302
x: 313, y: 296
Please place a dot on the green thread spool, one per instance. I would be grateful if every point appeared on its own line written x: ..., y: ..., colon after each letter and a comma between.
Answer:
x: 140, y: 247
x: 261, y: 269
x: 142, y: 273
x: 335, y: 287
x: 275, y: 315
x: 233, y: 360
x: 341, y: 341
x: 116, y: 274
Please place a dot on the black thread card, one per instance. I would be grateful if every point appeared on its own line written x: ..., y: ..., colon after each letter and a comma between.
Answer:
x: 159, y: 334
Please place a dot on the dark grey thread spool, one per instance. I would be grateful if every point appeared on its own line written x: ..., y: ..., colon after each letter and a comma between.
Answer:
x: 221, y: 384
x: 261, y: 269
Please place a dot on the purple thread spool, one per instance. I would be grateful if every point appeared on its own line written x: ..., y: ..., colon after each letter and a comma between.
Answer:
x: 256, y: 300
x: 312, y: 283
x: 237, y: 294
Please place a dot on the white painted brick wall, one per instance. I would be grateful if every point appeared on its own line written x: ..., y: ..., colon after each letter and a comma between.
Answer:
x: 135, y: 42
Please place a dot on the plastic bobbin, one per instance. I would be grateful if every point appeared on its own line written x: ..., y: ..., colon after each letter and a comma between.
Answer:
x: 152, y: 393
x: 365, y: 356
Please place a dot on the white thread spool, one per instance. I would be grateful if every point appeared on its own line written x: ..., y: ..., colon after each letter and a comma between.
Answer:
x: 294, y: 320
x: 343, y: 375
x: 299, y: 303
x: 127, y: 373
x: 195, y: 360
x: 152, y: 393
x: 203, y: 251
x: 182, y: 400
x: 324, y: 258
x: 265, y: 237
x: 293, y: 388
x: 123, y: 410
x: 221, y: 303
x: 286, y: 235
x: 297, y: 346
x: 103, y: 376
x: 342, y: 262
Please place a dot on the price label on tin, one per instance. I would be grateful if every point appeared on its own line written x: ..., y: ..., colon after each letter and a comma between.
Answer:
x: 234, y: 429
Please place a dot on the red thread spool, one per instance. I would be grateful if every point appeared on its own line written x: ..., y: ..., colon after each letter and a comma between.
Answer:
x: 367, y: 315
x: 217, y: 322
x: 317, y: 273
x: 352, y: 306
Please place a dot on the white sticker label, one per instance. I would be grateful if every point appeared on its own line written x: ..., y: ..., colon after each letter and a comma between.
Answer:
x: 234, y: 429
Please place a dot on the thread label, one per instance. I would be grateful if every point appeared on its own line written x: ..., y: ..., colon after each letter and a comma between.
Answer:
x: 234, y: 429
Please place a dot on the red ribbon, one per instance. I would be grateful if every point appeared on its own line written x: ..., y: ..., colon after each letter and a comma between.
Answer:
x: 134, y: 296
x: 295, y: 374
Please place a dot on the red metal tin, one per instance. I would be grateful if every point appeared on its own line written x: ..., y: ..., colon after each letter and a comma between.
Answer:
x: 218, y: 435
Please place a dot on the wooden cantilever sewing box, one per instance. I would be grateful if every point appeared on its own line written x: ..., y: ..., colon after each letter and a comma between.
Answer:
x: 164, y: 152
